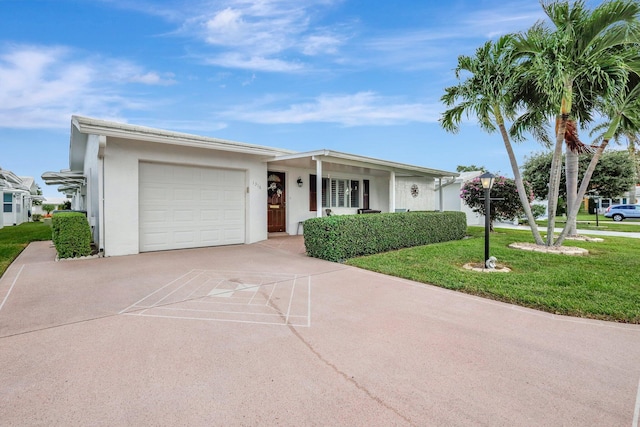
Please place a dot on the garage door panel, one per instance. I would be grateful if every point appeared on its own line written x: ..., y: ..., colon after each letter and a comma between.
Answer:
x: 210, y: 215
x: 211, y: 175
x: 183, y: 215
x: 156, y: 174
x: 155, y: 215
x: 209, y: 194
x: 232, y: 196
x: 183, y: 206
x: 233, y: 234
x: 185, y: 174
x: 212, y: 237
x: 182, y: 194
x: 232, y: 216
x: 156, y: 238
x: 182, y: 237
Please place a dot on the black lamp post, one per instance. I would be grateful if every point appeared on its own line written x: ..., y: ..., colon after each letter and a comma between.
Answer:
x: 487, y: 182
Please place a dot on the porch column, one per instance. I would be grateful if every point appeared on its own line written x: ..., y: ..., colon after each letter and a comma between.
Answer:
x: 15, y: 208
x: 318, y: 188
x: 392, y: 191
x: 440, y: 194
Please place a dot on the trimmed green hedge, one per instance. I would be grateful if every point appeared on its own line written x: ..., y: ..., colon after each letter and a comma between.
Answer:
x: 337, y: 238
x: 71, y: 234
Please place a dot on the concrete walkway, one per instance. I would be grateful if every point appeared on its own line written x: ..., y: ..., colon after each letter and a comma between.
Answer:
x: 632, y: 235
x: 261, y: 335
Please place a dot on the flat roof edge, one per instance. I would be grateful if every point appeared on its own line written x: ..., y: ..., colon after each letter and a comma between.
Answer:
x: 89, y: 125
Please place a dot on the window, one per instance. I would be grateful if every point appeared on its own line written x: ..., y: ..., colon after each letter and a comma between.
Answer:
x: 325, y: 192
x: 8, y: 202
x: 336, y: 193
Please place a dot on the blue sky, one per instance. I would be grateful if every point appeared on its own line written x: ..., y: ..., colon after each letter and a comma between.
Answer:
x: 359, y: 76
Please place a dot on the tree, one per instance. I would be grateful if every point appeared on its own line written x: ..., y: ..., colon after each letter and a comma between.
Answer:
x: 507, y: 207
x: 575, y: 65
x: 470, y: 168
x: 48, y: 208
x: 37, y: 202
x: 612, y: 176
x: 487, y: 93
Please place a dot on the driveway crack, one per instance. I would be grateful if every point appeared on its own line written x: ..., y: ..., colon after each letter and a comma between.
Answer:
x: 347, y: 377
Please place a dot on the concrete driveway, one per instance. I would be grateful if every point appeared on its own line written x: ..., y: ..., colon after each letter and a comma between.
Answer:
x: 262, y: 335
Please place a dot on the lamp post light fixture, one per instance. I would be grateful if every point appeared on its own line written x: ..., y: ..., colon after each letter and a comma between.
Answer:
x: 299, y: 181
x: 487, y: 180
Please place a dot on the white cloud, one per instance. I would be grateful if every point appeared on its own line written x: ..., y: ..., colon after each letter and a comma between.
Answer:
x: 263, y: 35
x: 43, y: 85
x: 359, y: 109
x: 238, y: 60
x: 508, y: 18
x: 316, y: 44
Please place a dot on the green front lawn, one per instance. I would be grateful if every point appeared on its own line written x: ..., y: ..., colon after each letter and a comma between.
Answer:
x: 588, y: 222
x: 13, y: 239
x: 603, y: 285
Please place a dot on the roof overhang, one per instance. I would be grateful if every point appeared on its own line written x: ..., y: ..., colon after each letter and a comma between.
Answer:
x: 87, y: 126
x: 69, y: 181
x: 337, y: 161
x: 10, y: 178
x: 11, y: 183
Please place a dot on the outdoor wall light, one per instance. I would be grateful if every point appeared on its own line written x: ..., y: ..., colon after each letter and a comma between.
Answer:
x: 299, y: 181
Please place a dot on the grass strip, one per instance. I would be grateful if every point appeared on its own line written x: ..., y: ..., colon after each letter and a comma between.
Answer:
x: 602, y: 285
x: 13, y: 240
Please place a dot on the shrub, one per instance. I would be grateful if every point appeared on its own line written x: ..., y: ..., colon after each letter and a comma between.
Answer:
x: 36, y: 217
x: 508, y: 205
x: 71, y: 234
x: 337, y: 238
x: 48, y: 208
x: 538, y: 211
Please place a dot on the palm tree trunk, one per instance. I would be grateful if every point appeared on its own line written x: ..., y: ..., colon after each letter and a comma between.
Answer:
x: 554, y: 179
x: 571, y: 174
x: 632, y: 153
x: 522, y: 192
x: 572, y: 212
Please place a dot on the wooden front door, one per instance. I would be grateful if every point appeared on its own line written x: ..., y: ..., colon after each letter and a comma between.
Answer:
x: 276, y: 202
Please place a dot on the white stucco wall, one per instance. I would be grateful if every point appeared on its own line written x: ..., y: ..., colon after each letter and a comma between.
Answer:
x: 121, y: 163
x: 424, y: 201
x: 88, y: 198
x: 453, y: 202
x: 298, y: 197
x: 20, y: 205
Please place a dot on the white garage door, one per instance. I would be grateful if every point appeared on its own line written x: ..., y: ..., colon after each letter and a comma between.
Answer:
x: 189, y: 207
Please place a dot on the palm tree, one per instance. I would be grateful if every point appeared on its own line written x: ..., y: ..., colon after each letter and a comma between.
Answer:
x: 623, y: 113
x: 574, y: 66
x: 487, y: 93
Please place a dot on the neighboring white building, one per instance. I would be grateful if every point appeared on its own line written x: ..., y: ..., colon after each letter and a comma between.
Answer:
x: 148, y: 189
x: 17, y: 194
x: 451, y: 200
x: 55, y: 201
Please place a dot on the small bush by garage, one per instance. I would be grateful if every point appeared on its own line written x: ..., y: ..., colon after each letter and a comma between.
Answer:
x: 71, y: 234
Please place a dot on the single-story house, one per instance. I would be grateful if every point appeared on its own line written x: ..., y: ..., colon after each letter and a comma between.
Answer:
x: 18, y: 193
x: 146, y: 189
